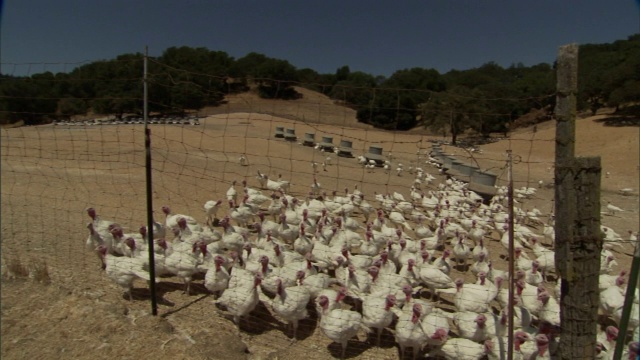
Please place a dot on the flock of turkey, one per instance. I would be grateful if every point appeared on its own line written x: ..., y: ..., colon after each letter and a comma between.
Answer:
x: 370, y: 264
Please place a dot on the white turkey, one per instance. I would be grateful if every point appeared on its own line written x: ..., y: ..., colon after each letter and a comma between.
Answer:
x: 398, y: 219
x: 242, y: 299
x: 334, y: 298
x: 243, y: 213
x: 471, y: 297
x: 278, y: 186
x: 93, y: 241
x: 474, y: 326
x: 435, y: 279
x: 442, y: 262
x: 211, y: 208
x: 101, y: 226
x: 217, y: 278
x: 481, y: 265
x: 290, y: 304
x: 303, y: 244
x: 409, y: 330
x: 606, y: 281
x: 480, y: 249
x: 549, y: 311
x: 377, y: 313
x: 608, y: 337
x: 462, y: 349
x: 461, y: 252
x: 612, y: 208
x: 316, y: 188
x: 315, y: 283
x: 171, y: 221
x: 542, y: 348
x: 232, y: 193
x: 184, y: 260
x: 231, y: 240
x: 436, y: 327
x: 339, y: 325
x: 123, y: 270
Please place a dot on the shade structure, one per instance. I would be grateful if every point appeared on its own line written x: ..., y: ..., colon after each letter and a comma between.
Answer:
x: 346, y: 148
x: 290, y: 134
x: 309, y: 139
x: 375, y: 153
x: 327, y: 143
x: 484, y: 178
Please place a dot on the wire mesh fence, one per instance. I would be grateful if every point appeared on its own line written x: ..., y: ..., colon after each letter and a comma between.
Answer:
x: 368, y: 269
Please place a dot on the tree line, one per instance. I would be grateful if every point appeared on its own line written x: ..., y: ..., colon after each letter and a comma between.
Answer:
x: 485, y: 99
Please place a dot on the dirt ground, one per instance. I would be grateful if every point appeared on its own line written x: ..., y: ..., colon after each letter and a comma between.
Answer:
x: 50, y: 174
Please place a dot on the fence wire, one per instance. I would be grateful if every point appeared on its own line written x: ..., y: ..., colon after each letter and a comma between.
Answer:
x: 51, y: 175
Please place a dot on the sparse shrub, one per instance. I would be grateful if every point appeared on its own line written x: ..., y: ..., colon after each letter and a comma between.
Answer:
x: 15, y: 269
x: 39, y: 271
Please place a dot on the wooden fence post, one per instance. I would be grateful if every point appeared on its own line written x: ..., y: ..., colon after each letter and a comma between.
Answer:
x: 578, y: 239
x: 580, y: 296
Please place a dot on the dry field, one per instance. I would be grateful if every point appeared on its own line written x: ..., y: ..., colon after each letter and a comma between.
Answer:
x: 50, y: 174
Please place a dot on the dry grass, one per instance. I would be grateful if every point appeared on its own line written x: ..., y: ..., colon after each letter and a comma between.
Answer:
x: 84, y: 315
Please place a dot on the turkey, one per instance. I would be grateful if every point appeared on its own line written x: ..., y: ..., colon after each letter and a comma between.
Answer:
x: 290, y: 303
x: 608, y: 337
x: 479, y: 250
x: 316, y: 188
x: 481, y: 265
x: 358, y: 282
x: 377, y: 313
x: 473, y: 326
x: 461, y: 252
x: 242, y: 299
x: 100, y: 226
x: 542, y: 345
x: 435, y: 279
x: 398, y: 219
x: 266, y: 183
x: 123, y: 270
x: 334, y: 298
x: 211, y: 208
x: 339, y: 325
x: 232, y: 193
x: 217, y: 278
x: 303, y: 244
x: 436, y: 327
x: 171, y: 221
x: 471, y: 297
x: 442, y: 262
x: 287, y: 232
x: 523, y: 346
x: 462, y: 349
x: 549, y: 311
x: 184, y: 260
x: 315, y: 283
x: 191, y: 236
x: 606, y: 281
x: 533, y: 276
x: 93, y: 242
x: 243, y: 213
x: 612, y: 208
x: 409, y: 330
x: 231, y: 240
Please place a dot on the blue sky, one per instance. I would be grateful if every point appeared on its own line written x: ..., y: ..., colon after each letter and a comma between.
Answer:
x: 374, y: 36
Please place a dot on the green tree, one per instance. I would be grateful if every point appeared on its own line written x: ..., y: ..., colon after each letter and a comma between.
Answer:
x: 70, y: 106
x: 453, y: 112
x: 395, y: 103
